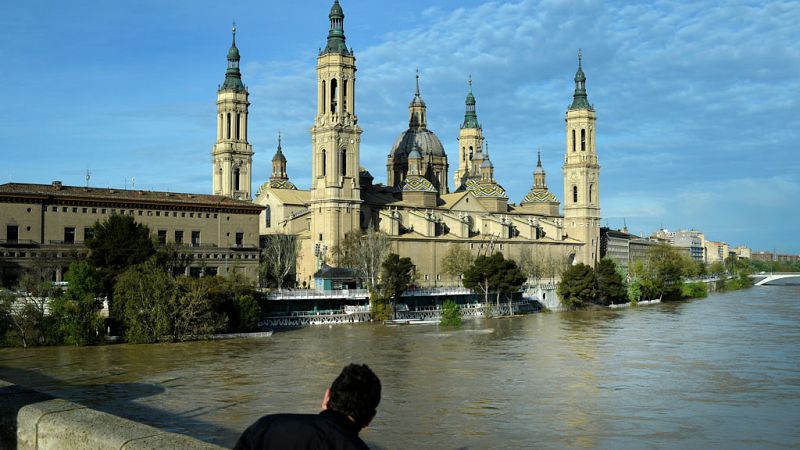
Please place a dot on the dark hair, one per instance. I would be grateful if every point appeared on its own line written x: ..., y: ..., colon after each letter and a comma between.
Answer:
x: 356, y: 392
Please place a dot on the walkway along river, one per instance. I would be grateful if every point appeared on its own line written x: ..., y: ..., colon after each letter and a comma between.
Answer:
x: 720, y: 372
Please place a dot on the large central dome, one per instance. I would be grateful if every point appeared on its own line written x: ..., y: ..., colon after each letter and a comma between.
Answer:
x: 421, y: 139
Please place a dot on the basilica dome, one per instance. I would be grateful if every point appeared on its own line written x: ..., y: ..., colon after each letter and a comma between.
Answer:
x: 421, y: 139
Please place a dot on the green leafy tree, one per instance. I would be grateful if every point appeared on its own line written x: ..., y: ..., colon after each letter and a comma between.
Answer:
x: 191, y: 312
x: 451, y: 314
x: 248, y: 314
x: 456, y: 261
x: 76, y: 313
x: 578, y: 287
x: 142, y: 295
x: 664, y: 269
x: 116, y: 244
x: 507, y: 280
x: 396, y: 275
x: 480, y: 275
x: 610, y: 285
x: 494, y: 274
x: 698, y: 289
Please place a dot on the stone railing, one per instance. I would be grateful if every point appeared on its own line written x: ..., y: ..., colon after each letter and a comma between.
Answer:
x: 31, y: 420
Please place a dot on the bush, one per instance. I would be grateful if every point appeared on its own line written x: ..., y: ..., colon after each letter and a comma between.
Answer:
x: 697, y: 289
x: 379, y: 307
x: 249, y: 313
x: 451, y: 314
x: 578, y: 287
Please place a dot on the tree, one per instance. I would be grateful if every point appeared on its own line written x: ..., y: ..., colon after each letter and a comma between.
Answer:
x: 22, y: 322
x: 116, y: 244
x: 364, y: 253
x: 456, y: 261
x: 451, y: 314
x: 141, y: 299
x: 190, y: 311
x: 578, y: 287
x: 396, y: 275
x: 479, y: 276
x: 664, y: 269
x: 248, y: 314
x: 493, y: 273
x: 532, y: 264
x: 76, y: 312
x: 279, y: 257
x: 610, y: 285
x: 507, y: 280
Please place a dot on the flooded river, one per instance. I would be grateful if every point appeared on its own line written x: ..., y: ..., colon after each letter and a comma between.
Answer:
x: 721, y: 372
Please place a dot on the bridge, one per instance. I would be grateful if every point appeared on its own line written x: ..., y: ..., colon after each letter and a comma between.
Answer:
x: 766, y: 279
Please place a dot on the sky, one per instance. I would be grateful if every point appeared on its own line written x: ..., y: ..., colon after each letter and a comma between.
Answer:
x: 697, y: 102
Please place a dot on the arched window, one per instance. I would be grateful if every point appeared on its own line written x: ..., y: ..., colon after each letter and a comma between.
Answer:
x: 333, y: 95
x: 324, y: 162
x: 573, y: 140
x: 583, y: 140
x: 464, y: 151
x: 236, y: 179
x: 268, y: 217
x: 591, y: 188
x: 238, y: 125
x: 324, y: 96
x: 344, y: 162
x: 470, y: 152
x: 344, y: 96
x: 228, y: 126
x: 575, y: 194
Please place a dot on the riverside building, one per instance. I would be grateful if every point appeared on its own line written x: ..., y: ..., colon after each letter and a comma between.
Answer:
x: 417, y: 207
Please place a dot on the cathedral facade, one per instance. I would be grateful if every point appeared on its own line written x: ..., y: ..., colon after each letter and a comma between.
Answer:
x: 416, y: 207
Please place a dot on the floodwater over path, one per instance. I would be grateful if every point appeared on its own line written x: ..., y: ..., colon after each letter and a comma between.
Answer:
x: 721, y: 372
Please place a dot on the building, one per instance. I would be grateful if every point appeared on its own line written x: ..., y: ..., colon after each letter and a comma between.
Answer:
x: 692, y: 241
x: 716, y: 251
x: 743, y: 252
x: 47, y: 225
x: 615, y: 244
x: 416, y: 208
x: 638, y: 249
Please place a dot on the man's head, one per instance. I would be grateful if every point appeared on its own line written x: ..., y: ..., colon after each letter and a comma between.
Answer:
x: 355, y: 393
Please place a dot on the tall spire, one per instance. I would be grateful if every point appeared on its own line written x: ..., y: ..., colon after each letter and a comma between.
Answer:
x: 336, y: 37
x: 470, y: 116
x: 579, y: 99
x: 417, y: 110
x: 233, y: 77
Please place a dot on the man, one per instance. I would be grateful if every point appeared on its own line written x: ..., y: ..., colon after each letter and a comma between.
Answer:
x: 348, y: 406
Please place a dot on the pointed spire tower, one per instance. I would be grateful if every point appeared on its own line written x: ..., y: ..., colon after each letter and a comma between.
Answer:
x: 582, y: 174
x: 470, y: 143
x: 335, y: 197
x: 540, y: 200
x: 232, y: 155
x: 279, y: 178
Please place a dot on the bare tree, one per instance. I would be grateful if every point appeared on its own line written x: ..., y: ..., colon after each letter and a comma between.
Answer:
x: 279, y: 256
x: 532, y: 263
x: 456, y: 261
x: 364, y: 252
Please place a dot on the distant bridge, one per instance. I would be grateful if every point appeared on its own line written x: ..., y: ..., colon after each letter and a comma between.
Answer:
x: 765, y: 279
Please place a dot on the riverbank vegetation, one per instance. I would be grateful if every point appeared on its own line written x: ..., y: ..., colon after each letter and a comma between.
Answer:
x: 661, y: 275
x: 138, y: 280
x: 451, y: 314
x: 494, y: 274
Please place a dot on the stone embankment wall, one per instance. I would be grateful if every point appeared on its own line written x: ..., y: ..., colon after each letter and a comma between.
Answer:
x: 31, y: 420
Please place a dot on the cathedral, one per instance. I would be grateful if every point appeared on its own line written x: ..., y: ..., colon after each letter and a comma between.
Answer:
x: 416, y: 207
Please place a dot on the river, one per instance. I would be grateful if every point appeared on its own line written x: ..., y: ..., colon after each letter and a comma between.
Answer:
x: 720, y: 372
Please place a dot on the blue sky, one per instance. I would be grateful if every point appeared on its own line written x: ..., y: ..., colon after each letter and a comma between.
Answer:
x: 697, y: 102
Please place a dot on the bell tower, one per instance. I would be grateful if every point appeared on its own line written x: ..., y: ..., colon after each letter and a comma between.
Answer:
x: 470, y: 144
x: 232, y: 155
x: 335, y: 199
x: 582, y: 174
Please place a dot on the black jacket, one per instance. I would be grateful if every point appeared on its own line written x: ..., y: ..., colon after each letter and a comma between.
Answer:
x: 326, y: 430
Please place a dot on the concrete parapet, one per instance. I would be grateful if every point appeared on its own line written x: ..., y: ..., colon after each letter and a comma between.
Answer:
x: 31, y: 420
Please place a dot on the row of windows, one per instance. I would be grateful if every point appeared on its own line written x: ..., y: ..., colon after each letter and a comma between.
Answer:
x: 342, y: 161
x: 132, y: 212
x: 575, y: 193
x: 234, y: 132
x: 583, y: 140
x: 331, y: 107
